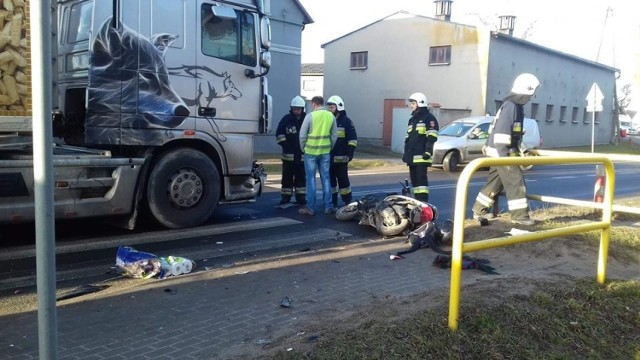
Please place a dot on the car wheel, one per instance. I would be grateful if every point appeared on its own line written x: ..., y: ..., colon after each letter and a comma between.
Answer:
x: 450, y: 162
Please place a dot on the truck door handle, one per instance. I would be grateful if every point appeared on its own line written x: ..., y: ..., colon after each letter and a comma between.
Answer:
x: 206, y: 111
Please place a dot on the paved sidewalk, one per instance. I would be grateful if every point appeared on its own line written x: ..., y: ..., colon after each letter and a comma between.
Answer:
x: 236, y: 312
x: 220, y: 313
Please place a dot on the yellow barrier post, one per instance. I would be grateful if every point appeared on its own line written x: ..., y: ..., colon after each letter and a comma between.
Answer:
x: 459, y: 247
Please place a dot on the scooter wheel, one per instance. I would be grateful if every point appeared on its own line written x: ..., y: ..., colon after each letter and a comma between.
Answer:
x: 347, y: 212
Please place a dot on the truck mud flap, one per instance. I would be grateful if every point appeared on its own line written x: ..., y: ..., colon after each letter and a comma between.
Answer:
x: 12, y: 185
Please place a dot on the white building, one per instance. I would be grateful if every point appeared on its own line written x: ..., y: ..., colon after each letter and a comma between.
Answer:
x: 466, y: 71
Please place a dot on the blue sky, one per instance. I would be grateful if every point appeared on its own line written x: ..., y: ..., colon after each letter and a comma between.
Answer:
x: 577, y: 27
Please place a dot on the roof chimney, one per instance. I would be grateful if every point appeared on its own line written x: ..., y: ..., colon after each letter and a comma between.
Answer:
x: 443, y: 9
x: 507, y: 23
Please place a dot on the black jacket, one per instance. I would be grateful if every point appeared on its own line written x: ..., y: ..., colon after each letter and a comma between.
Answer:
x: 506, y: 130
x: 347, y: 139
x: 422, y: 133
x: 288, y: 136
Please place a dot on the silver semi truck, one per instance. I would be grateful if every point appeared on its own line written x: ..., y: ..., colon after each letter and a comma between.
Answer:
x: 155, y: 106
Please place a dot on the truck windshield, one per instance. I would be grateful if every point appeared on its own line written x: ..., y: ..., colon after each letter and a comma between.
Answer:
x: 456, y: 129
x: 79, y: 22
x: 229, y: 39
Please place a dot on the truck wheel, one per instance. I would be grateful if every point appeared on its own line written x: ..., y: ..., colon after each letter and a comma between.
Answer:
x: 450, y: 162
x: 183, y: 188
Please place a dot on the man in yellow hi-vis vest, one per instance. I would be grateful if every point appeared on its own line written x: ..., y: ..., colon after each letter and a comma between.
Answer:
x: 318, y: 134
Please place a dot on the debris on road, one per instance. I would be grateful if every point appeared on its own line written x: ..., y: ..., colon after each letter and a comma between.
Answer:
x: 143, y: 265
x: 286, y: 302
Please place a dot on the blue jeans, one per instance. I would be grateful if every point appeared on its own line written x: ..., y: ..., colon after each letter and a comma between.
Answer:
x: 322, y: 164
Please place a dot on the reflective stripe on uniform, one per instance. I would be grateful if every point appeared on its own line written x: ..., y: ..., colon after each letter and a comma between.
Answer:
x: 502, y: 139
x: 434, y: 133
x: 286, y: 191
x: 421, y: 190
x: 341, y: 132
x: 287, y: 157
x: 421, y: 129
x: 353, y: 143
x: 280, y: 138
x: 484, y: 200
x: 419, y: 159
x: 517, y: 204
x: 340, y: 159
x: 491, y: 152
x: 345, y: 191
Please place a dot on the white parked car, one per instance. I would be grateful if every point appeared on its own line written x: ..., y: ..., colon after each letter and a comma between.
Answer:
x: 462, y: 140
x: 628, y: 127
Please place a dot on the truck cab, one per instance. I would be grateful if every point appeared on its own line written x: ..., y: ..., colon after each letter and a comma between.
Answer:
x: 175, y: 90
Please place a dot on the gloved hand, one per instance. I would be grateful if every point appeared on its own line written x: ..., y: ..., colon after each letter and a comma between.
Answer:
x: 426, y: 156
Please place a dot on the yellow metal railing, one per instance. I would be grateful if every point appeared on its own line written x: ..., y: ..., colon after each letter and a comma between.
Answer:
x: 459, y: 247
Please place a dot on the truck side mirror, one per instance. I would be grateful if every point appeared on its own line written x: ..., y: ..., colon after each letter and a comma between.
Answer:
x: 223, y: 12
x: 265, y: 32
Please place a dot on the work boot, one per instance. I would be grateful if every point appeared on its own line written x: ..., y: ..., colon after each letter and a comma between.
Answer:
x: 527, y: 221
x: 301, y: 199
x: 347, y: 198
x: 285, y: 199
x: 487, y: 216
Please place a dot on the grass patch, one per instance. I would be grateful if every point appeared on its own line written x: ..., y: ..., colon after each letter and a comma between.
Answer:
x: 505, y: 318
x: 555, y: 321
x: 624, y: 239
x: 626, y: 146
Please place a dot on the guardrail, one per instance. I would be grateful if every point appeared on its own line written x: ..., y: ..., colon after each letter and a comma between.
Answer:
x: 459, y: 247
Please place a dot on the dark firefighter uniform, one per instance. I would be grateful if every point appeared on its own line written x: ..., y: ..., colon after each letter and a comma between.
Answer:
x: 341, y: 154
x: 422, y: 133
x: 505, y: 134
x: 293, y: 175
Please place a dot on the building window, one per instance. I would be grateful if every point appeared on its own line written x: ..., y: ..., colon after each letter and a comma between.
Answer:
x: 574, y: 115
x: 498, y: 106
x: 563, y: 110
x: 585, y: 117
x: 440, y: 55
x: 308, y: 85
x: 359, y: 60
x: 549, y: 113
x: 534, y: 110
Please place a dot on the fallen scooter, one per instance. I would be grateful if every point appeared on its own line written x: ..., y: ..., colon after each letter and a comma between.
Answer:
x: 389, y: 214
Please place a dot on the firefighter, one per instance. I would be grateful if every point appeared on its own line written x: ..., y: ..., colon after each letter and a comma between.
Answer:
x: 342, y: 152
x: 422, y: 133
x: 288, y: 136
x: 505, y: 135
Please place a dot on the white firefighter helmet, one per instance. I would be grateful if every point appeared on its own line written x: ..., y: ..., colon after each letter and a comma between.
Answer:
x: 337, y: 101
x: 419, y: 98
x: 297, y: 101
x: 525, y: 84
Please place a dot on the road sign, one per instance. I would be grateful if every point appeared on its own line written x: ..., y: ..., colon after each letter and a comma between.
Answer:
x: 594, y: 99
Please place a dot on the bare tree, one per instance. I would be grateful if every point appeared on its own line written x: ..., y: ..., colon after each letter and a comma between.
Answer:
x: 624, y: 98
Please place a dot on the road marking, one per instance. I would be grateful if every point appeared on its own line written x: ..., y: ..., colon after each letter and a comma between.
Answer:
x: 155, y: 236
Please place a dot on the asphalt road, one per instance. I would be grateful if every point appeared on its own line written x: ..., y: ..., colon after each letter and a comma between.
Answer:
x: 236, y: 233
